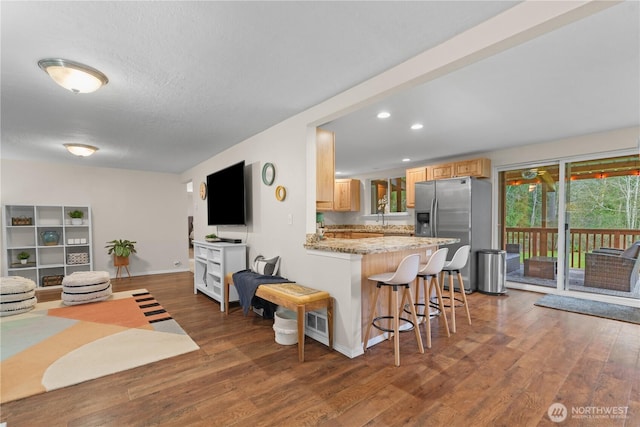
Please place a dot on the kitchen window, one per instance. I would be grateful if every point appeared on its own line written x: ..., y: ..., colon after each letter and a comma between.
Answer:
x: 388, y: 195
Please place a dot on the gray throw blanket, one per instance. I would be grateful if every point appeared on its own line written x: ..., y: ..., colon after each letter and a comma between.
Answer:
x: 246, y: 283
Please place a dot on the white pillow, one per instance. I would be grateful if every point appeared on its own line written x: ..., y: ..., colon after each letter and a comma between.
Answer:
x: 266, y: 267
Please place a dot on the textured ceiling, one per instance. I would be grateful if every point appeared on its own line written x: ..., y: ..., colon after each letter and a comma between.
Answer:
x: 190, y: 79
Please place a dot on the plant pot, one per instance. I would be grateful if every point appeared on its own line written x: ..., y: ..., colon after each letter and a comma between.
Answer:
x: 120, y: 261
x: 76, y: 221
x: 23, y: 261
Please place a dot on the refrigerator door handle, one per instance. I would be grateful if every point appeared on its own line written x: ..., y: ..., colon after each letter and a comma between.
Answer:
x: 434, y: 219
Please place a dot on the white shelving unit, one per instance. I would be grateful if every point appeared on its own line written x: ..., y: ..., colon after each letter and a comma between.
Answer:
x: 212, y: 262
x: 72, y: 251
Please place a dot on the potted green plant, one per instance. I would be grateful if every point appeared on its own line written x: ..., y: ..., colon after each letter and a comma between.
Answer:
x: 76, y: 217
x: 121, y: 248
x: 23, y: 257
x: 211, y: 238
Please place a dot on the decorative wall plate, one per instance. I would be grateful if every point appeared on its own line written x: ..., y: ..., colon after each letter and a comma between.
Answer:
x: 203, y: 190
x: 268, y: 173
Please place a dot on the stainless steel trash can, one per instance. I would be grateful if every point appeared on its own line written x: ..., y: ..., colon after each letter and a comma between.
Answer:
x: 492, y: 271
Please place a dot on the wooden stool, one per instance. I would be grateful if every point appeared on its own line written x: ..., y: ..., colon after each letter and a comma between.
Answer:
x: 297, y: 298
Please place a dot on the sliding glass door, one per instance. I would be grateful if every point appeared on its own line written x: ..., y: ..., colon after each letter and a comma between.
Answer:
x: 603, y: 226
x: 529, y: 207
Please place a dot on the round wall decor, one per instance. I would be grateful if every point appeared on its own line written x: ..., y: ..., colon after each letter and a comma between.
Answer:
x: 203, y: 190
x: 281, y: 193
x: 268, y: 173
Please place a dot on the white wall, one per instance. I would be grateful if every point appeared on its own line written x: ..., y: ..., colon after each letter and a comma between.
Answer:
x: 605, y: 143
x: 268, y: 231
x: 142, y: 206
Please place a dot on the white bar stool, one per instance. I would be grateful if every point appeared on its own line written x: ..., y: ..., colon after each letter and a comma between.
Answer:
x: 458, y: 262
x: 404, y: 275
x: 429, y: 273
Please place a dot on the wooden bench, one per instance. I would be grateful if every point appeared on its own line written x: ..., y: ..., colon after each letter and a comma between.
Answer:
x: 295, y: 297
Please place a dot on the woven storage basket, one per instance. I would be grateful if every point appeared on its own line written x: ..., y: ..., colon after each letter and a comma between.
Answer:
x: 52, y: 280
x: 78, y: 258
x: 22, y: 220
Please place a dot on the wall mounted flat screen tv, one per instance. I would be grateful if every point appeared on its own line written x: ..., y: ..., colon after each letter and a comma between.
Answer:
x: 226, y: 196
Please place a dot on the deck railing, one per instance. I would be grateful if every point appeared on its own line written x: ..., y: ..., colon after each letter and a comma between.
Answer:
x: 540, y: 241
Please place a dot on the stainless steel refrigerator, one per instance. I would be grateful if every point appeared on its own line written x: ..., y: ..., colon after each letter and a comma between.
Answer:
x: 458, y: 208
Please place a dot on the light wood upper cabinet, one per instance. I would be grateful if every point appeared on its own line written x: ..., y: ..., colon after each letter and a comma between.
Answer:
x: 412, y: 176
x: 325, y: 169
x: 479, y: 168
x: 346, y: 195
x: 443, y: 171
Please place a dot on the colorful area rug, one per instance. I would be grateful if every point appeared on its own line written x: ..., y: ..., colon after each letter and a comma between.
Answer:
x: 55, y: 346
x: 591, y: 308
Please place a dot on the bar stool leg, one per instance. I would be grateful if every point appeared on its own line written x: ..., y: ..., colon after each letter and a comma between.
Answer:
x: 417, y: 296
x: 464, y: 297
x: 373, y: 315
x: 427, y: 316
x: 396, y: 325
x: 436, y: 283
x: 414, y: 316
x: 452, y: 302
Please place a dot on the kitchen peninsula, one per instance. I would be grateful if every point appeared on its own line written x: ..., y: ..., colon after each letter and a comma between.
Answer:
x: 342, y: 266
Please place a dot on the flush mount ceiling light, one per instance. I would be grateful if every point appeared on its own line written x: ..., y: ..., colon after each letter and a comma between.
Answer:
x: 384, y: 115
x: 76, y: 77
x: 417, y: 126
x: 81, y: 150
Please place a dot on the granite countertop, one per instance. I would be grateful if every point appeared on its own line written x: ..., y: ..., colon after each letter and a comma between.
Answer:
x: 376, y: 245
x: 360, y: 228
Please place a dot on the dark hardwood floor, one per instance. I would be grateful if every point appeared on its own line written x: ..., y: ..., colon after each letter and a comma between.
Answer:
x: 504, y: 370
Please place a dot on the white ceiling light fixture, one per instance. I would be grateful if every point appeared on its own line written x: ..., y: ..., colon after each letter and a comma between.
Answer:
x: 406, y: 159
x: 384, y: 115
x: 73, y: 76
x: 417, y: 126
x: 81, y: 150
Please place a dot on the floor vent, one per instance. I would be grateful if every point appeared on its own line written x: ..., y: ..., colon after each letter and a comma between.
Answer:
x: 317, y: 324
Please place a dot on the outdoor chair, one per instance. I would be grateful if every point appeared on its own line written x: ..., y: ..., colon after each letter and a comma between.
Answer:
x: 613, y: 269
x: 513, y: 257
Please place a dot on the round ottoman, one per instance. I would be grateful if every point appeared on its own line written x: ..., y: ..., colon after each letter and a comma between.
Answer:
x: 84, y: 287
x: 17, y: 295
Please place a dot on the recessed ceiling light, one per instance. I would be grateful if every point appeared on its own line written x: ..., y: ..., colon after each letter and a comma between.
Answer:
x: 406, y: 159
x: 417, y: 126
x: 338, y: 173
x: 81, y: 150
x: 384, y: 115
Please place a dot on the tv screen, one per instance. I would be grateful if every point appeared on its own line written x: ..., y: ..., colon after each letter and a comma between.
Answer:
x: 226, y: 196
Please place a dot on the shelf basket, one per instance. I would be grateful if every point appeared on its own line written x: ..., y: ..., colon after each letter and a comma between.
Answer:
x: 78, y: 258
x: 21, y: 220
x: 52, y: 280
